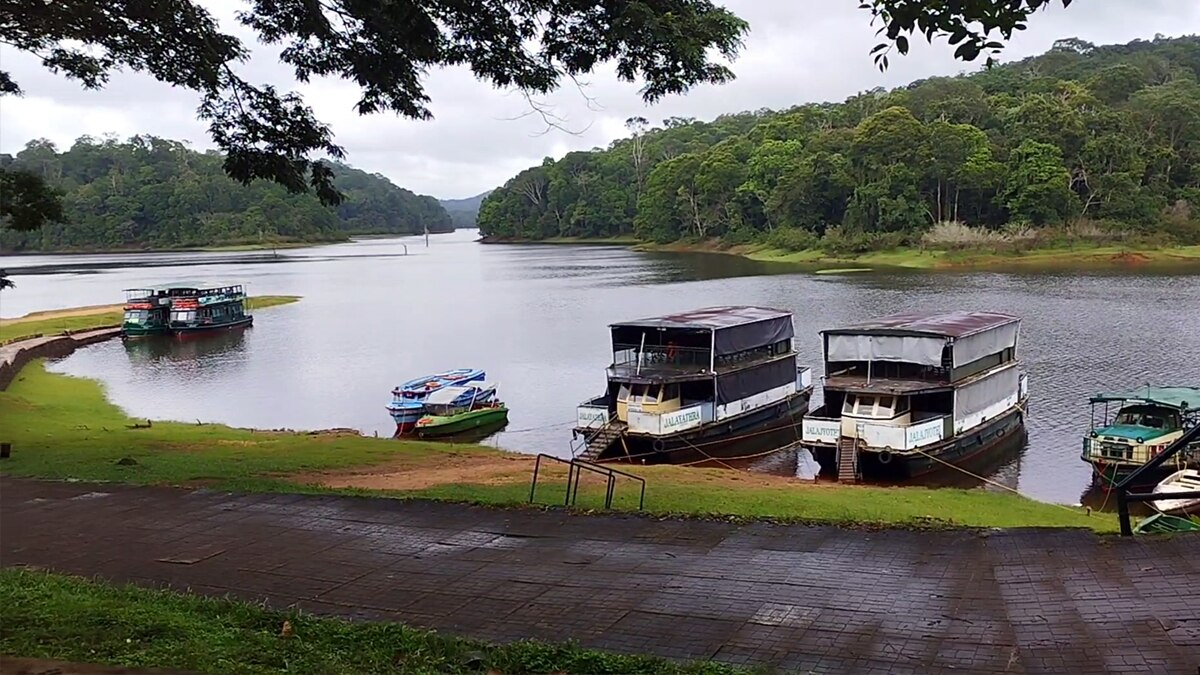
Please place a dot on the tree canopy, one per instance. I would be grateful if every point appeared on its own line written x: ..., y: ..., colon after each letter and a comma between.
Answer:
x: 151, y: 192
x: 1111, y: 134
x: 387, y: 48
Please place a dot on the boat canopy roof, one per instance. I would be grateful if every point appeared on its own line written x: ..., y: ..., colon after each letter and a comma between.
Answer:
x: 203, y: 288
x: 448, y: 395
x: 923, y: 337
x: 1179, y: 398
x: 727, y: 330
x: 441, y: 379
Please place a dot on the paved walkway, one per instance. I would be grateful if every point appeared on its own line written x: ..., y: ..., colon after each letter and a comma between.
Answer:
x: 820, y: 599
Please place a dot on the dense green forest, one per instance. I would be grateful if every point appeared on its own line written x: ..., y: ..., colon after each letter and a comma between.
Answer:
x: 151, y: 192
x: 1099, y: 140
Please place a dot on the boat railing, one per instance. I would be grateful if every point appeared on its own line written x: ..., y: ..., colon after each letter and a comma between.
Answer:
x: 1185, y: 442
x: 875, y: 435
x: 661, y: 358
x: 575, y: 469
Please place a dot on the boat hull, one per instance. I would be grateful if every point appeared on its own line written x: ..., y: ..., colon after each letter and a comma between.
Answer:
x: 190, y: 329
x: 137, y: 330
x: 961, y: 449
x: 734, y: 438
x: 1107, y: 475
x: 451, y: 425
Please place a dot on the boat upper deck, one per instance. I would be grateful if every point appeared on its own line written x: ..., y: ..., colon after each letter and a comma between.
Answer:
x: 700, y: 343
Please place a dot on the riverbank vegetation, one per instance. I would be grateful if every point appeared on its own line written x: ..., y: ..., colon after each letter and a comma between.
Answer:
x: 57, y: 321
x: 52, y: 616
x: 1083, y: 147
x: 154, y: 193
x: 64, y: 428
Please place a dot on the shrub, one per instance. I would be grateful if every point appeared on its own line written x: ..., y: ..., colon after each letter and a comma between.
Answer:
x: 791, y: 239
x: 839, y: 241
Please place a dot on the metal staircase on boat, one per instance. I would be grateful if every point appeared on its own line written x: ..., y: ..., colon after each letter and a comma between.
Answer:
x: 847, y: 460
x: 599, y: 441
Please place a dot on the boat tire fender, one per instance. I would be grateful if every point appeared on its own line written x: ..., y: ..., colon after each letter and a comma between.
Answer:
x: 885, y: 457
x: 658, y: 445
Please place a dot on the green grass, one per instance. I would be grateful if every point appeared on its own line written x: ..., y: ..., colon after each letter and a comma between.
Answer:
x: 66, y: 618
x: 930, y: 259
x: 64, y: 427
x: 86, y: 318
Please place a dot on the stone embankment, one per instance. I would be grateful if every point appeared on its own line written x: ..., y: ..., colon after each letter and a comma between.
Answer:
x: 14, y: 355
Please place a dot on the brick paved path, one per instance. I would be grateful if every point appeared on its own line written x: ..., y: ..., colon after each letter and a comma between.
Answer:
x: 823, y: 599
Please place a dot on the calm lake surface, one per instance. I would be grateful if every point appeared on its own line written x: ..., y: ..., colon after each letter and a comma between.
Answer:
x: 535, y: 317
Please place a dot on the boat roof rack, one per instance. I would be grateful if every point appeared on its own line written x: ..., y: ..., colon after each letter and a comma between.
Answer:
x: 1179, y: 398
x: 447, y: 395
x: 712, y: 318
x: 940, y: 324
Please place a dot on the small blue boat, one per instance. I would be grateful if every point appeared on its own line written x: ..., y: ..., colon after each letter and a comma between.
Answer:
x: 408, y: 400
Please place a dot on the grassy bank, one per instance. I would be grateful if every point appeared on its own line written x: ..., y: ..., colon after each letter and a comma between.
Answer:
x: 1082, y: 256
x: 84, y: 318
x: 64, y: 427
x: 67, y: 618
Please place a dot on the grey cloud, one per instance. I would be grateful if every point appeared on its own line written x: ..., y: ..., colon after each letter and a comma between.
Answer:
x: 800, y: 51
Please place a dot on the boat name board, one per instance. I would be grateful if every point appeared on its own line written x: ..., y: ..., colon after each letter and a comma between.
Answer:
x: 821, y: 430
x: 590, y: 417
x: 924, y: 433
x: 681, y: 419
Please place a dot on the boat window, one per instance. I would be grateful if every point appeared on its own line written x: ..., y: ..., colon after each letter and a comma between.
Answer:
x: 866, y: 405
x: 903, y: 405
x: 137, y: 315
x: 884, y: 406
x: 848, y: 406
x: 671, y: 392
x: 623, y: 393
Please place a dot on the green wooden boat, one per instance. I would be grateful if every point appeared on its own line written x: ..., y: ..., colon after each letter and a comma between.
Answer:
x: 433, y: 426
x: 458, y: 410
x: 1161, y: 523
x: 146, y: 311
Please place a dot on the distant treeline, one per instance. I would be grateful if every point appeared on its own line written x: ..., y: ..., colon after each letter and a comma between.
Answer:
x: 1107, y: 135
x: 152, y: 192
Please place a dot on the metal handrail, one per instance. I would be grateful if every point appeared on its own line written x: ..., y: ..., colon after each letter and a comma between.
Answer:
x: 1123, y: 496
x: 587, y: 439
x: 575, y: 469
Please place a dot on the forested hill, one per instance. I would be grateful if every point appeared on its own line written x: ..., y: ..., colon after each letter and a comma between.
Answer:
x: 1108, y: 135
x: 464, y: 211
x: 155, y: 193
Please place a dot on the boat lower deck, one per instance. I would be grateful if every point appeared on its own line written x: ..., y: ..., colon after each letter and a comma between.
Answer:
x: 738, y: 437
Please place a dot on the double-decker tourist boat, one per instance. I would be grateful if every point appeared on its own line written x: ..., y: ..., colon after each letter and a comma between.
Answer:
x: 694, y: 385
x: 206, y: 308
x: 147, y: 312
x: 909, y: 393
x: 462, y: 409
x: 1133, y: 427
x: 408, y: 400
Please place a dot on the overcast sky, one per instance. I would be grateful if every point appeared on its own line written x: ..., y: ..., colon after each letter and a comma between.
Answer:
x: 797, y: 51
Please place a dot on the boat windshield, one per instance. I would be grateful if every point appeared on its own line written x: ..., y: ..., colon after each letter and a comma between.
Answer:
x: 136, y: 316
x: 183, y: 315
x: 1139, y: 418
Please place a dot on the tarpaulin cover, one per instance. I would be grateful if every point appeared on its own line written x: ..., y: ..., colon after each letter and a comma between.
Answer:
x: 926, y: 351
x: 750, y: 381
x: 730, y: 329
x: 990, y: 390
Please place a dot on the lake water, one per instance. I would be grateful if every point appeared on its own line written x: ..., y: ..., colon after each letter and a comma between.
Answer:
x: 378, y: 312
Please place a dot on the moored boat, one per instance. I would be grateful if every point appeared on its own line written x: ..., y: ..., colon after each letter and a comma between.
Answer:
x: 912, y: 393
x: 206, y: 308
x: 408, y: 399
x: 147, y: 312
x: 697, y: 385
x: 461, y: 409
x: 1146, y: 421
x: 1187, y: 480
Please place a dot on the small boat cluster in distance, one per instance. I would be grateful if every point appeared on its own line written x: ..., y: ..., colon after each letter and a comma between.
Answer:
x: 184, y: 309
x: 447, y: 405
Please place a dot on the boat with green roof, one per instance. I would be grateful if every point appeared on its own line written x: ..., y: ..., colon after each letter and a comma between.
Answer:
x: 146, y: 312
x: 1134, y: 427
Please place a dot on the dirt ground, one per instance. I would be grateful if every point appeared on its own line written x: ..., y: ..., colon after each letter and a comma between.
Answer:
x: 452, y: 468
x: 65, y: 313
